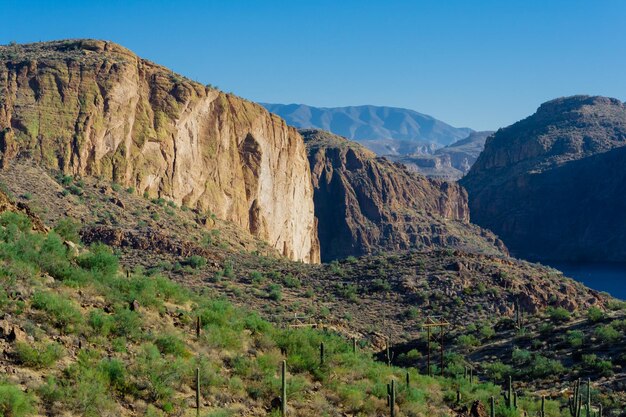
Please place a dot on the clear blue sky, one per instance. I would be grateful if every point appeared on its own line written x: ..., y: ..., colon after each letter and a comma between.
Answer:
x: 482, y: 64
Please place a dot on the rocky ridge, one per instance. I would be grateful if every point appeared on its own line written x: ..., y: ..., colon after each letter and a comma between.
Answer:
x: 366, y: 204
x: 551, y: 185
x: 89, y: 107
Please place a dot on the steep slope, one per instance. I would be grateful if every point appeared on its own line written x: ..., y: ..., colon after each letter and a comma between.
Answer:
x: 365, y: 204
x: 90, y: 107
x: 552, y: 185
x: 384, y: 130
x: 450, y: 162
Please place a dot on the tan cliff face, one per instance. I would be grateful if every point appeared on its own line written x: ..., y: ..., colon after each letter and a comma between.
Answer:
x: 366, y: 204
x: 94, y: 108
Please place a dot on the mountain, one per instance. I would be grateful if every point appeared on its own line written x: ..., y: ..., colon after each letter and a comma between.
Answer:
x: 367, y: 204
x: 450, y: 162
x: 384, y: 130
x: 552, y: 186
x: 89, y: 107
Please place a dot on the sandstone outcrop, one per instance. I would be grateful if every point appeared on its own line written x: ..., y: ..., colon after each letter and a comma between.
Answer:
x: 366, y: 204
x: 552, y: 186
x: 90, y: 107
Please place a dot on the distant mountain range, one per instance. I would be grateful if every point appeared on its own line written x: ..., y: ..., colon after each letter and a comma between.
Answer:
x: 384, y: 130
x: 450, y: 162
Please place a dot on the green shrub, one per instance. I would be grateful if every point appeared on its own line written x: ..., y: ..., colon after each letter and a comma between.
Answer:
x: 194, y: 261
x: 594, y: 314
x: 41, y: 355
x: 497, y: 370
x: 467, y: 341
x: 274, y: 292
x: 160, y: 375
x: 60, y: 310
x: 487, y: 332
x: 14, y: 402
x: 607, y: 334
x: 575, y: 338
x: 68, y: 229
x: 558, y: 315
x: 170, y: 344
x: 380, y: 285
x: 100, y: 259
x: 100, y: 322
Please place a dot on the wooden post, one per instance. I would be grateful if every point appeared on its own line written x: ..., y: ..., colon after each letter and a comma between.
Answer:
x: 441, y: 328
x: 197, y: 392
x: 283, y: 398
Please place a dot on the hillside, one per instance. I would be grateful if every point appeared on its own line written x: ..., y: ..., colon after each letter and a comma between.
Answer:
x: 450, y: 162
x: 384, y: 130
x: 366, y: 204
x: 372, y: 298
x: 89, y: 107
x: 550, y: 185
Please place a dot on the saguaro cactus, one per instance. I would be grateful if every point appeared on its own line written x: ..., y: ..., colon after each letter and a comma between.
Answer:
x: 354, y: 345
x: 543, y: 406
x: 391, y: 388
x: 510, y: 397
x: 283, y: 397
x: 492, y: 407
x: 197, y: 392
x: 575, y: 401
x: 588, y: 406
x: 322, y: 354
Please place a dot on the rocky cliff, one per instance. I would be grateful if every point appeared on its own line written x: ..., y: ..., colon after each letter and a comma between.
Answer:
x: 90, y: 107
x: 552, y: 186
x: 365, y: 204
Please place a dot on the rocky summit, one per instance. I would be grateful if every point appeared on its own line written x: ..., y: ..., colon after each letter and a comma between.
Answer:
x: 552, y: 185
x: 365, y: 204
x: 89, y: 107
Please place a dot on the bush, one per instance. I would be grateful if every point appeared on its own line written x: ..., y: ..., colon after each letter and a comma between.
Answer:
x: 558, y: 315
x: 170, y: 344
x: 14, y: 402
x: 594, y: 314
x: 195, y: 261
x: 467, y: 341
x: 60, y: 310
x: 68, y: 229
x: 380, y: 285
x: 100, y: 259
x: 41, y: 355
x: 607, y: 334
x: 274, y: 292
x: 487, y: 332
x: 575, y: 338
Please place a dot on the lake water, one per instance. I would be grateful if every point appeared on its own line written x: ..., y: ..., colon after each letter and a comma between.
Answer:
x: 609, y: 277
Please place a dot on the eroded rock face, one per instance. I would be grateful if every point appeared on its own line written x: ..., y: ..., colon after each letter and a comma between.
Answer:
x: 552, y: 186
x: 365, y: 204
x: 94, y: 108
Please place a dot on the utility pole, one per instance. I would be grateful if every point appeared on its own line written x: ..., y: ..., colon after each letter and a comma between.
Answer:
x: 436, y: 321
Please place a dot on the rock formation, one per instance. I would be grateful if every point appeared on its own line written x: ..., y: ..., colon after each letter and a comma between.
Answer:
x: 552, y: 186
x: 365, y: 204
x: 89, y: 107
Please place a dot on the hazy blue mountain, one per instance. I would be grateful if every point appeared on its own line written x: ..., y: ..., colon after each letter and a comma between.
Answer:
x: 385, y: 130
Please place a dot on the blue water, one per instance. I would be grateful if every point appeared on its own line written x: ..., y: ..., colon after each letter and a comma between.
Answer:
x: 608, y: 277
